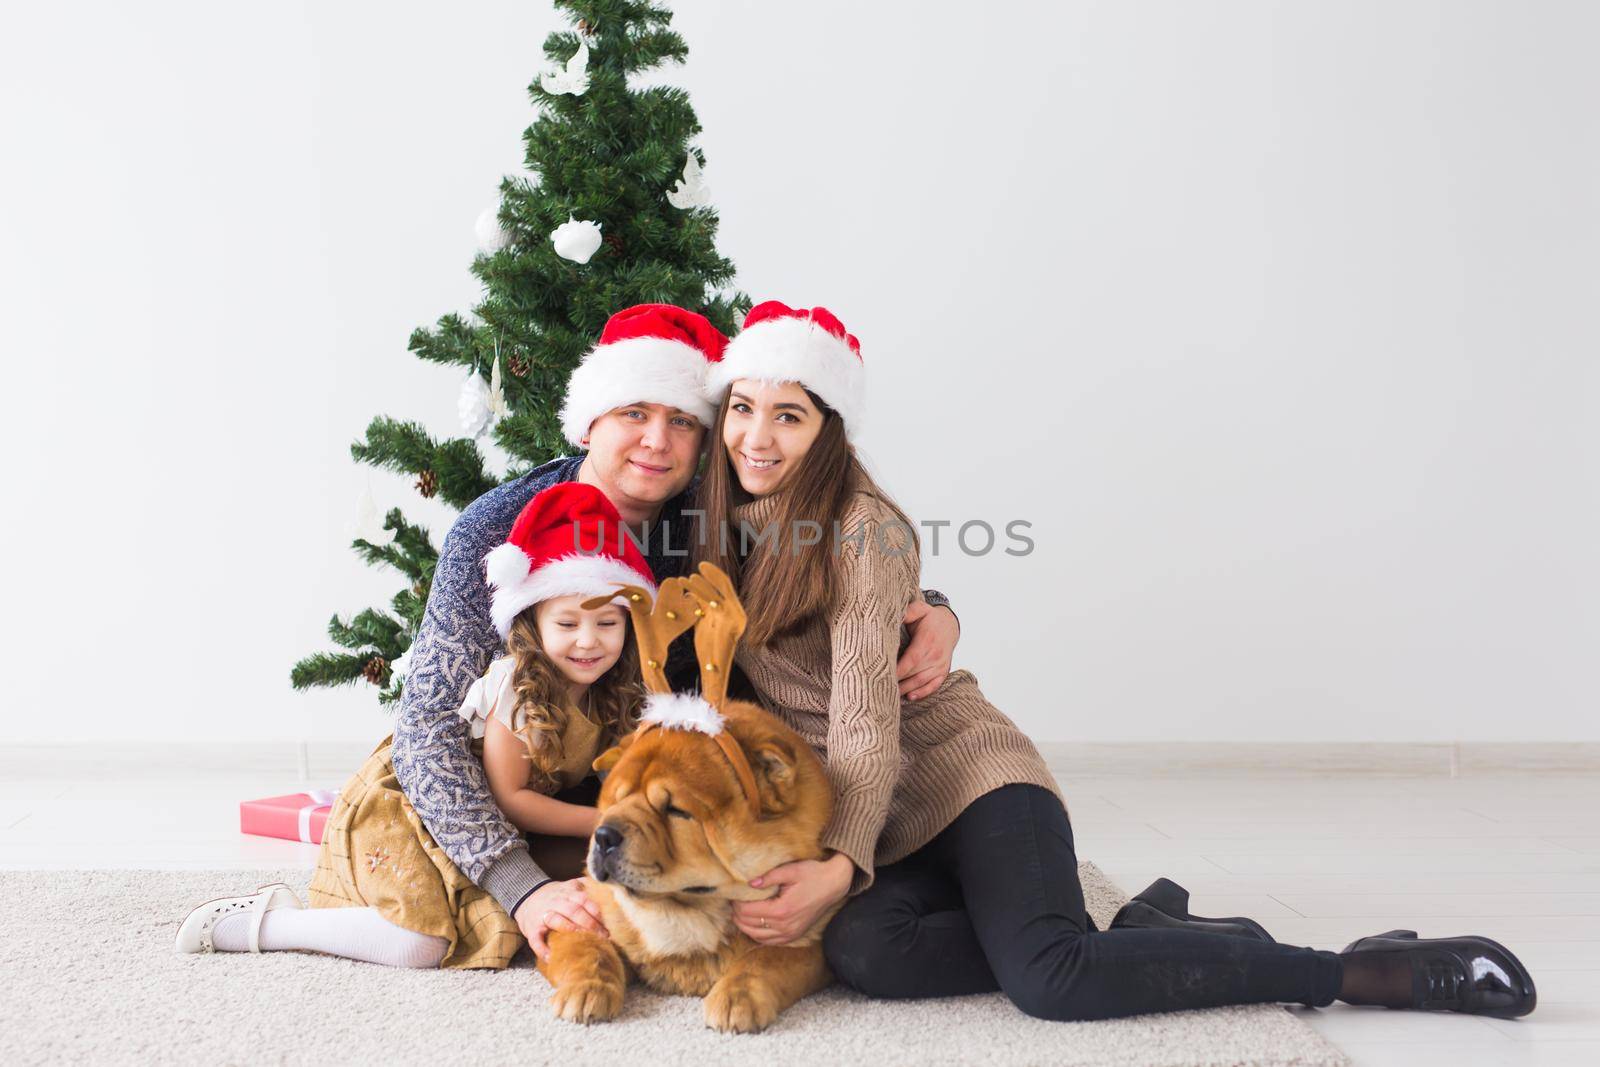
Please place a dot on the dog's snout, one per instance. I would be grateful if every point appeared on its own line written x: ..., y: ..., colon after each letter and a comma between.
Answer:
x: 607, y: 839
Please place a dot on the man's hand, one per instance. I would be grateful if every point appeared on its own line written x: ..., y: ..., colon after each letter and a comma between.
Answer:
x: 557, y: 906
x: 806, y: 889
x: 926, y: 662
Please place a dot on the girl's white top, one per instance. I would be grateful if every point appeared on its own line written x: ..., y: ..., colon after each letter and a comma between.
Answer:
x: 493, y: 695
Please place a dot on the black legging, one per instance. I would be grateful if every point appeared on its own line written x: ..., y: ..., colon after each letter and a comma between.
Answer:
x: 993, y: 902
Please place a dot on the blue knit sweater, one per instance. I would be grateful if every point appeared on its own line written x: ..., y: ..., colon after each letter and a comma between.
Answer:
x: 433, y: 758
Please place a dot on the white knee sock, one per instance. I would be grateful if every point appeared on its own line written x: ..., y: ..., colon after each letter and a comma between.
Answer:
x: 354, y: 933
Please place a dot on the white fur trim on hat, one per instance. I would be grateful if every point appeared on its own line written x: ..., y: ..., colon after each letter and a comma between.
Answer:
x: 682, y: 711
x: 575, y: 575
x: 793, y: 349
x: 636, y: 370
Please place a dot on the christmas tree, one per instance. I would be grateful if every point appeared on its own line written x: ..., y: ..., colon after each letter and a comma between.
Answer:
x: 612, y: 213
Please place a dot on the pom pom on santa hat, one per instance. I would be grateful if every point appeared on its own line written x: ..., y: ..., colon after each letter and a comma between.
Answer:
x: 647, y: 354
x: 805, y: 345
x: 567, y: 541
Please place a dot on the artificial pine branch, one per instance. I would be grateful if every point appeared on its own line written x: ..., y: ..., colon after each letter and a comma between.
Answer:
x: 407, y: 448
x: 404, y: 447
x: 453, y: 342
x: 462, y: 477
x: 327, y: 669
x: 411, y: 552
x: 409, y: 604
x: 367, y: 629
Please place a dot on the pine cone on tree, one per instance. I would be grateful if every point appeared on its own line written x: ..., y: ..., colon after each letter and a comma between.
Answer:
x: 615, y: 242
x: 428, y: 483
x: 375, y: 669
x: 517, y: 365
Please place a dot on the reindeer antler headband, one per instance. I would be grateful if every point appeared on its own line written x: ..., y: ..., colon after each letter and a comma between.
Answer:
x: 706, y: 603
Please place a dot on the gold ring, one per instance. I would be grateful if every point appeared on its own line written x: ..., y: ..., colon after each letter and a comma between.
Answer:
x: 763, y: 924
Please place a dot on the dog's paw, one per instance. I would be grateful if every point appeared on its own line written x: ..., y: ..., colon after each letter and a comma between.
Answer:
x: 740, y: 1005
x: 588, y: 1000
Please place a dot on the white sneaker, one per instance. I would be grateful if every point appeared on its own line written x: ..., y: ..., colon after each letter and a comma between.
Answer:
x: 195, y: 933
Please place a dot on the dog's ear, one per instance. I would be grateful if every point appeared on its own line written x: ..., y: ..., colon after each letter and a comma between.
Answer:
x: 608, y: 759
x: 774, y: 762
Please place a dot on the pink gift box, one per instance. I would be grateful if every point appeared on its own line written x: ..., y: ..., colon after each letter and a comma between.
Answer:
x: 296, y: 817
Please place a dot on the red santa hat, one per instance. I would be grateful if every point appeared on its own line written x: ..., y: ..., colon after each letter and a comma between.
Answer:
x: 647, y: 354
x: 568, y: 540
x: 805, y: 345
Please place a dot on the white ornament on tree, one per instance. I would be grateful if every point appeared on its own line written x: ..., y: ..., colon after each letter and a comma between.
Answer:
x: 492, y: 236
x: 480, y: 406
x: 497, y: 390
x: 691, y: 191
x: 576, y: 239
x: 574, y: 79
x: 473, y: 405
x: 369, y: 524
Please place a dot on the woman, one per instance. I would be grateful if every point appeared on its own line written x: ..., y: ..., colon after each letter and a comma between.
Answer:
x: 950, y: 838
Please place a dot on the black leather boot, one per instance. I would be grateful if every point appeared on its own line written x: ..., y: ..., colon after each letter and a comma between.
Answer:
x: 1165, y: 906
x: 1468, y: 974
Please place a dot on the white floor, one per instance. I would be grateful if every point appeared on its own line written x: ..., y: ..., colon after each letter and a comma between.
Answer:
x: 1318, y: 860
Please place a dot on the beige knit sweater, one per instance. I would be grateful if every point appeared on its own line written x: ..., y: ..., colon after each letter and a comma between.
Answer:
x: 901, y: 771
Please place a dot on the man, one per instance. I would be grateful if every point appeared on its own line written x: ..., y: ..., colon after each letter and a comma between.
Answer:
x: 636, y: 408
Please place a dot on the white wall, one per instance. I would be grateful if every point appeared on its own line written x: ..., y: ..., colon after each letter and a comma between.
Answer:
x: 1277, y: 321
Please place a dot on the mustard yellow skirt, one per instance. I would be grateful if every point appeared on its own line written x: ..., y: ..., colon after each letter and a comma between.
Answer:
x: 377, y: 854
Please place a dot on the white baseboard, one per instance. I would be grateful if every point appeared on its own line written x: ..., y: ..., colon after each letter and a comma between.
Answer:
x: 323, y: 760
x: 288, y: 760
x: 1206, y: 759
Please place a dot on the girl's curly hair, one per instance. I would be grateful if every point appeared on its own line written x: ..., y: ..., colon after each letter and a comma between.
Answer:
x: 541, y: 690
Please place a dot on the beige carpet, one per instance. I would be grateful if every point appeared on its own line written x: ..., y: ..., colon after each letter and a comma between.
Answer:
x: 88, y: 975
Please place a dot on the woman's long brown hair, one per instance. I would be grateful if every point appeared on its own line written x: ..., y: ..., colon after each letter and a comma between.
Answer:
x: 783, y: 588
x: 541, y: 691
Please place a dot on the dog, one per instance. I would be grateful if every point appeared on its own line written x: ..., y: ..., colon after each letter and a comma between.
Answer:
x: 705, y: 795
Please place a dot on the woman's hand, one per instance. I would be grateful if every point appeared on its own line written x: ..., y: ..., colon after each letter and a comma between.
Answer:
x: 557, y: 906
x: 926, y: 661
x: 807, y: 889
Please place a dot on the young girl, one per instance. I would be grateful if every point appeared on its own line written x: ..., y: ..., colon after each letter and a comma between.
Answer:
x: 567, y: 687
x: 949, y: 832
